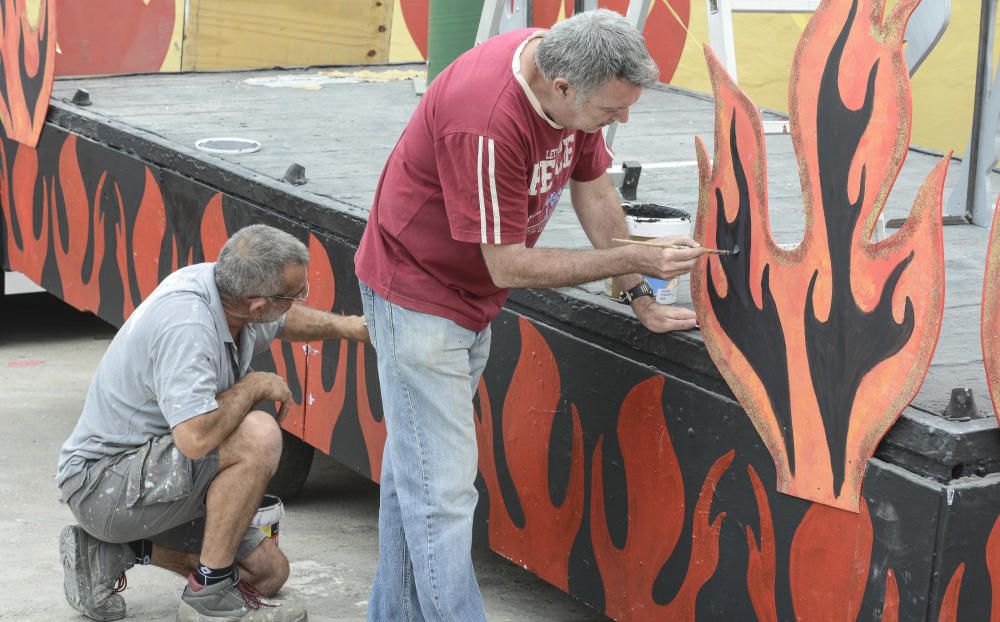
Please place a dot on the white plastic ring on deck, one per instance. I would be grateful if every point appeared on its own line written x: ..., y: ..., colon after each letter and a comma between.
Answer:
x: 227, y: 146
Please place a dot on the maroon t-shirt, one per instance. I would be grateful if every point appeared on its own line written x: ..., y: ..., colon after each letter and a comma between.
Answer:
x: 478, y: 163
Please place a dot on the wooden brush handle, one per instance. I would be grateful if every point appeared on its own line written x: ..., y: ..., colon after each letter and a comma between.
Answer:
x: 711, y: 251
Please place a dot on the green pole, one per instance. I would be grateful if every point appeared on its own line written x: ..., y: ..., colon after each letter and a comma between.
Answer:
x: 451, y: 30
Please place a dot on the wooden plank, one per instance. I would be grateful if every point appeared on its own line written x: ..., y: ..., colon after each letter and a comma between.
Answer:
x: 240, y: 34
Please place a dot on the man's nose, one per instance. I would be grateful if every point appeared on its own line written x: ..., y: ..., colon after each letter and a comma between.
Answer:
x: 622, y: 117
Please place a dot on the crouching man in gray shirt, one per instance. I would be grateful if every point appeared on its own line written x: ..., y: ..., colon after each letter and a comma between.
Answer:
x: 169, y: 461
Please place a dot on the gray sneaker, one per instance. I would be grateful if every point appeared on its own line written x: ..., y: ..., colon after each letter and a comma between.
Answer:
x: 94, y: 573
x: 232, y: 600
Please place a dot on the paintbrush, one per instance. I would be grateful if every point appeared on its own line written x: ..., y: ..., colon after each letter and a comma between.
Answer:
x: 710, y: 251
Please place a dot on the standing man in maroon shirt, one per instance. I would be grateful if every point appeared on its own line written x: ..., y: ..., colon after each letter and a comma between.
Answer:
x: 463, y: 198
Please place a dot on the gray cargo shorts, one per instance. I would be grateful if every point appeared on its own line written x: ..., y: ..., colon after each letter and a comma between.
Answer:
x: 152, y: 492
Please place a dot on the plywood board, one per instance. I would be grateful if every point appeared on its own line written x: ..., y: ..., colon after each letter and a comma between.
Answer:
x: 242, y: 34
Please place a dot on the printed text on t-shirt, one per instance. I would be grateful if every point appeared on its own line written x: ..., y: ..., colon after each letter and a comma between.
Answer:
x: 555, y: 161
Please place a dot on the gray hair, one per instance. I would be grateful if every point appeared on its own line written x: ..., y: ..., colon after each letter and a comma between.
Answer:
x: 252, y: 263
x: 591, y: 48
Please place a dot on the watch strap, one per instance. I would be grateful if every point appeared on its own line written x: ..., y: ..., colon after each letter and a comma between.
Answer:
x: 640, y: 290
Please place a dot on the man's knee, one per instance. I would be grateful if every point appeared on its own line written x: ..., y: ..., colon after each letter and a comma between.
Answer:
x: 259, y: 438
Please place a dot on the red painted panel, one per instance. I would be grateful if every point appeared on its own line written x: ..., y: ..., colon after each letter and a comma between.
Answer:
x: 416, y: 13
x: 665, y: 35
x: 113, y: 36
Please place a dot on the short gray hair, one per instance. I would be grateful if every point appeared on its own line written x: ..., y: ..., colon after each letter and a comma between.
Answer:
x: 252, y: 263
x: 591, y: 48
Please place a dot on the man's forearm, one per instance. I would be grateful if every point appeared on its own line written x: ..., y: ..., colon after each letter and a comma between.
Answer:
x: 198, y: 436
x: 307, y: 324
x: 558, y: 267
x: 599, y: 209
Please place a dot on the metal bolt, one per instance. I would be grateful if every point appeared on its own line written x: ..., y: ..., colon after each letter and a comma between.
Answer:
x: 81, y: 98
x: 961, y: 406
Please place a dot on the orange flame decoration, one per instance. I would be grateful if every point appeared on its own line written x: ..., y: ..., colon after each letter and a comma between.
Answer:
x: 761, y: 563
x: 890, y: 608
x: 148, y: 231
x: 858, y: 315
x: 213, y: 230
x: 79, y: 244
x: 325, y: 400
x: 655, y: 492
x: 655, y: 515
x: 990, y: 321
x: 27, y: 239
x: 993, y: 567
x: 84, y: 220
x: 28, y: 57
x: 373, y: 431
x: 545, y: 541
x: 949, y: 604
x: 829, y: 562
x: 140, y: 250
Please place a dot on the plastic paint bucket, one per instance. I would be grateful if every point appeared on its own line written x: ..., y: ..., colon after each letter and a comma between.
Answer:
x: 649, y: 220
x: 268, y: 515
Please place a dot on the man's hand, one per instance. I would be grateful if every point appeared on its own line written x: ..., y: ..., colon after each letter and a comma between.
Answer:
x: 356, y: 328
x: 272, y: 388
x: 666, y: 263
x: 662, y: 318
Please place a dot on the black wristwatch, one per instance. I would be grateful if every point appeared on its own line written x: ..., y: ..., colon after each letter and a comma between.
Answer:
x: 640, y: 290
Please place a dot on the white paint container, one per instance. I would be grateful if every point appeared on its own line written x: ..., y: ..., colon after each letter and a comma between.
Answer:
x: 646, y: 221
x: 268, y: 515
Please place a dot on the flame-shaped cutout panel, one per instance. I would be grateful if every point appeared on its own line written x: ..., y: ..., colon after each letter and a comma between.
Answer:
x: 27, y: 62
x: 855, y: 319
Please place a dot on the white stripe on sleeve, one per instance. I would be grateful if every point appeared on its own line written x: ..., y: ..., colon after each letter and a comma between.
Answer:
x: 493, y: 197
x: 482, y: 199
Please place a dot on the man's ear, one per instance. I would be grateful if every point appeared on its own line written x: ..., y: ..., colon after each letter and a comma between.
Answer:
x: 562, y: 87
x: 256, y: 304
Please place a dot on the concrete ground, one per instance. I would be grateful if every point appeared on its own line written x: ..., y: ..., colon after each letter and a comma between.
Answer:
x: 48, y: 353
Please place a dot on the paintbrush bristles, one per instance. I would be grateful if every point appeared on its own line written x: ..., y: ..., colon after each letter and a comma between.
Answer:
x: 710, y: 251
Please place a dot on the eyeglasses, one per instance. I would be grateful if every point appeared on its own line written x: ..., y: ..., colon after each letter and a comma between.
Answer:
x: 298, y: 298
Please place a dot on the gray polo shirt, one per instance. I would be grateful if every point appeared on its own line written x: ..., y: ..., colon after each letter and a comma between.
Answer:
x: 166, y: 365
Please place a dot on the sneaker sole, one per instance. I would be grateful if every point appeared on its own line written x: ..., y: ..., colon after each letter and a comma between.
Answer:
x: 187, y: 613
x: 71, y: 551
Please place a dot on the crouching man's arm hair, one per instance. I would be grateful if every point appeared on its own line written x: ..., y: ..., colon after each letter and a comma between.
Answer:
x: 198, y: 436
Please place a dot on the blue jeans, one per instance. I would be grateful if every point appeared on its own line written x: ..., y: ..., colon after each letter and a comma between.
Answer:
x: 429, y: 369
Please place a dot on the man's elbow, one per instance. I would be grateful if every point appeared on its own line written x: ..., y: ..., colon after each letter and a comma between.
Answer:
x: 193, y: 447
x: 502, y: 281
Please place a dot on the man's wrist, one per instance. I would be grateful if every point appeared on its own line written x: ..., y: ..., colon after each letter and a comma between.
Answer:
x: 642, y: 290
